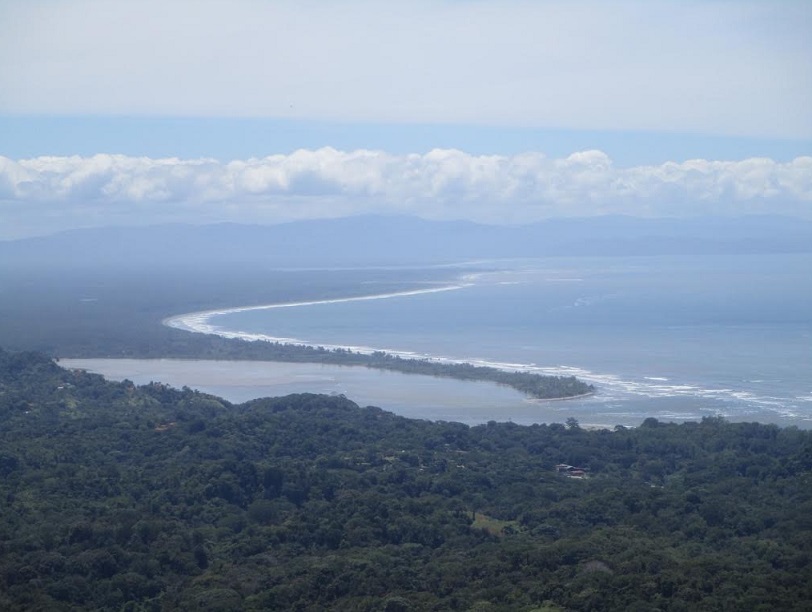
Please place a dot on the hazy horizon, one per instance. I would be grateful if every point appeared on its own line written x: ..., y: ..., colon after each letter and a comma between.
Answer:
x: 503, y: 113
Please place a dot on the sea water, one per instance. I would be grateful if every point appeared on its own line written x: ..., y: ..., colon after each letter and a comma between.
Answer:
x: 674, y: 338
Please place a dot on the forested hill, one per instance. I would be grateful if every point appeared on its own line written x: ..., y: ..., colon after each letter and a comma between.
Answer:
x: 117, y: 497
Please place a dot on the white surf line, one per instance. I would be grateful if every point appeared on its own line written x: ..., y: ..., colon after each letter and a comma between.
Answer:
x: 199, y: 321
x: 650, y: 386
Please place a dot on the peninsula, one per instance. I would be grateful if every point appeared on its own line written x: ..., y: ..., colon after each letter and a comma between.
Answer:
x: 534, y: 385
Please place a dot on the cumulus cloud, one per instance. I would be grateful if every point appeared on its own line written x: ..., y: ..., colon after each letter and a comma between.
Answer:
x: 46, y: 193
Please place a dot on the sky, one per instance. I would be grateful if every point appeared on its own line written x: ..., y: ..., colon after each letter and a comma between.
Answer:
x: 119, y: 112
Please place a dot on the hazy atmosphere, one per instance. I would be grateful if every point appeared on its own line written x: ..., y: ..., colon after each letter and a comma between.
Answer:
x: 510, y: 112
x: 397, y: 306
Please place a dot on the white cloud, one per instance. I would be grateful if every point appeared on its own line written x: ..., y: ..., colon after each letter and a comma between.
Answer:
x: 718, y: 67
x: 47, y: 193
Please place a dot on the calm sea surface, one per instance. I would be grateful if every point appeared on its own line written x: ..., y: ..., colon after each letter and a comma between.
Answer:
x: 675, y: 338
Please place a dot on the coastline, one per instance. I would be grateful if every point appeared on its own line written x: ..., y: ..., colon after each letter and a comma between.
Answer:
x: 199, y: 321
x: 424, y: 397
x: 539, y: 400
x: 528, y: 379
x: 669, y: 367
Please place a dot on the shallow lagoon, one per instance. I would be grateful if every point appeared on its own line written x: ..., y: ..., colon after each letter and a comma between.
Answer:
x: 420, y: 397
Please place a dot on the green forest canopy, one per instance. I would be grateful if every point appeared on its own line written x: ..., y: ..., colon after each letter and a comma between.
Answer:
x: 118, y: 497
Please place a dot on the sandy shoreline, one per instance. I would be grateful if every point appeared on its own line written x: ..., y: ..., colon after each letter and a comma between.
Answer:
x: 199, y: 322
x: 621, y: 400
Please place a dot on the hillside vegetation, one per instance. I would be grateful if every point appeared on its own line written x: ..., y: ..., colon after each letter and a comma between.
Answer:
x: 117, y: 497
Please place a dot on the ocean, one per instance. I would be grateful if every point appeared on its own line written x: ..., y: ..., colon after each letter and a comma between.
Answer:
x: 675, y: 337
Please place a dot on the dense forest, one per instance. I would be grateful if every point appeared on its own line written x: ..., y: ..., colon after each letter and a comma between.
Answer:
x: 118, y: 497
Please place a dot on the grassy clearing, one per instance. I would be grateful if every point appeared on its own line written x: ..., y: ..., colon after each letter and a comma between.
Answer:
x: 494, y: 526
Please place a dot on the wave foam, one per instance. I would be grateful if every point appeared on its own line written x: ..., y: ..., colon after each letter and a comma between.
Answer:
x: 612, y: 387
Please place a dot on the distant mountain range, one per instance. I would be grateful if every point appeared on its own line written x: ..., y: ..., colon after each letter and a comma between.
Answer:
x: 381, y: 240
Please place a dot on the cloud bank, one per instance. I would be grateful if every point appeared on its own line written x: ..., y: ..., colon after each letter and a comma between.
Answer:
x: 45, y: 194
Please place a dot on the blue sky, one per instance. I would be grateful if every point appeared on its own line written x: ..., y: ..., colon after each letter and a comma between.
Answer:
x: 238, y: 138
x: 133, y: 112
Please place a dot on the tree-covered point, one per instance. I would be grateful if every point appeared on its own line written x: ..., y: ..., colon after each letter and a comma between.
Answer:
x: 531, y: 384
x: 118, y: 497
x: 534, y: 385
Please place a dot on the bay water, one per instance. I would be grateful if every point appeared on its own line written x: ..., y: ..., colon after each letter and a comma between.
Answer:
x: 675, y: 338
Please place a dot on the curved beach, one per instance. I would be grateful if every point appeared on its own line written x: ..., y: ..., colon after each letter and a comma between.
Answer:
x: 667, y: 368
x: 199, y: 322
x: 546, y: 382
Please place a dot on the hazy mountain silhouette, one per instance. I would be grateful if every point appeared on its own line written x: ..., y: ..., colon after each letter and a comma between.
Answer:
x: 381, y: 240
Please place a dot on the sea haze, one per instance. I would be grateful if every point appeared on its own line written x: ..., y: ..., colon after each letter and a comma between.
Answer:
x: 670, y: 337
x: 675, y: 319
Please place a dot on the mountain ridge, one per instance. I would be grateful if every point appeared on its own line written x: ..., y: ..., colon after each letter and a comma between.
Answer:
x: 371, y: 239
